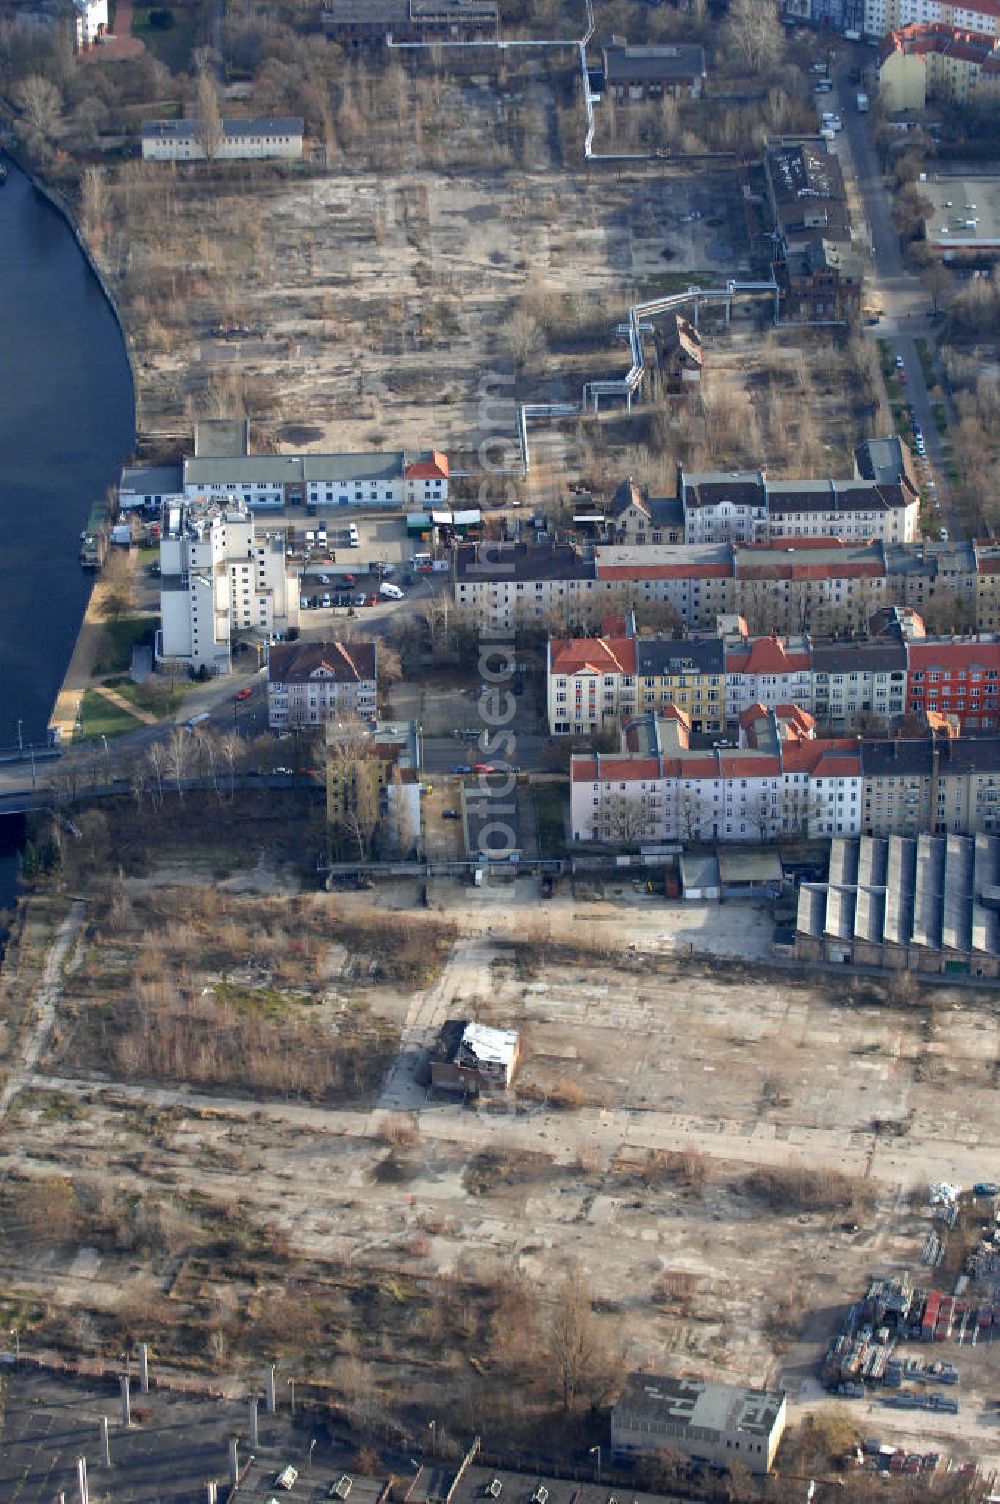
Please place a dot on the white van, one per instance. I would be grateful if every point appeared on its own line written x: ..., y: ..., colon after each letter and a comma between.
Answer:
x: 352, y: 536
x: 390, y: 592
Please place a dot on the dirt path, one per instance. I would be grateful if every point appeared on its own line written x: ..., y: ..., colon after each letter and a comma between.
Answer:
x: 45, y: 1004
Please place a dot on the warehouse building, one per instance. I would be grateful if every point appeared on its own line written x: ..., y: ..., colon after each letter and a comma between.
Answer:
x: 717, y: 1423
x: 924, y: 903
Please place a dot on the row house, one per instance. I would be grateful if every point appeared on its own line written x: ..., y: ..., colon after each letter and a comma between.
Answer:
x: 767, y: 671
x: 957, y: 677
x: 944, y: 785
x: 925, y: 61
x: 820, y: 586
x: 745, y: 507
x: 657, y: 788
x: 858, y: 683
x: 596, y: 682
x: 783, y: 781
x: 310, y: 683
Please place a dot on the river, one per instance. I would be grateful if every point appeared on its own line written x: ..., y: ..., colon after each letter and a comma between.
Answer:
x: 66, y: 425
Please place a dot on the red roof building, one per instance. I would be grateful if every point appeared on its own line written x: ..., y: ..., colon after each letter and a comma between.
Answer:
x: 959, y: 677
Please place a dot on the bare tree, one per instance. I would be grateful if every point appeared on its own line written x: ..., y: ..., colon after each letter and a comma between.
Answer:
x: 753, y: 34
x: 177, y: 759
x: 208, y: 115
x: 41, y: 104
x: 352, y: 781
x: 572, y: 1336
x: 626, y: 818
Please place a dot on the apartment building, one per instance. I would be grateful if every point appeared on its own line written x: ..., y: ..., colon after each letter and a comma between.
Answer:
x: 814, y: 264
x: 373, y: 785
x: 722, y: 1423
x: 221, y: 581
x: 268, y: 481
x: 782, y: 781
x: 930, y: 60
x: 591, y: 683
x: 308, y: 683
x: 240, y: 140
x: 939, y: 784
x: 821, y: 586
x: 859, y: 683
x: 957, y: 677
x: 745, y: 507
x: 767, y: 671
x: 638, y: 518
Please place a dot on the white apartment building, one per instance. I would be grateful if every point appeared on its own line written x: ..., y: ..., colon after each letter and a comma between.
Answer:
x: 657, y: 789
x: 272, y: 481
x: 220, y: 580
x: 310, y: 683
x: 90, y: 18
x: 767, y: 671
x: 240, y: 140
x: 745, y: 507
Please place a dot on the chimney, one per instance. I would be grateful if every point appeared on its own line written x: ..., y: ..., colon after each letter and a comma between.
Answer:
x: 126, y: 1403
x: 105, y: 1441
x: 269, y: 1391
x: 234, y: 1461
x: 81, y: 1479
x: 253, y: 1420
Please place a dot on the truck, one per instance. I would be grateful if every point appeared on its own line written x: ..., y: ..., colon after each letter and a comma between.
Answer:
x: 862, y: 104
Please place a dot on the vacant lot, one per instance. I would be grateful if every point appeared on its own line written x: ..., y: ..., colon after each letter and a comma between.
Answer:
x: 225, y: 1139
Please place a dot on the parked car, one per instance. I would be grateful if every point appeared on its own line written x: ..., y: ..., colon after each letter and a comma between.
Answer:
x: 986, y: 1188
x: 493, y: 1489
x: 450, y: 814
x: 359, y: 600
x: 326, y: 601
x: 900, y: 363
x: 484, y: 767
x: 461, y: 767
x: 244, y: 694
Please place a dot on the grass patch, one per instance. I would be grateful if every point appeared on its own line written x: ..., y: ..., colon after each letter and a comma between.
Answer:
x: 550, y: 804
x: 156, y: 696
x: 926, y: 361
x: 172, y: 46
x: 119, y: 638
x: 98, y: 717
x: 667, y: 282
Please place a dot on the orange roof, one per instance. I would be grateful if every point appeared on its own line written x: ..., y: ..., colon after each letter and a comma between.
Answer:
x: 436, y: 468
x: 593, y: 655
x: 583, y: 769
x: 699, y: 767
x: 624, y: 768
x: 690, y: 571
x: 859, y: 570
x: 758, y: 766
x: 960, y: 653
x: 765, y: 655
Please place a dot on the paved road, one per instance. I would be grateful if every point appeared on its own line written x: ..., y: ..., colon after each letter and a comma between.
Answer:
x: 891, y: 287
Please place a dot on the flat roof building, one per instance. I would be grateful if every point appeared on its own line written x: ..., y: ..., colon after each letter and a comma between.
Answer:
x: 719, y: 1423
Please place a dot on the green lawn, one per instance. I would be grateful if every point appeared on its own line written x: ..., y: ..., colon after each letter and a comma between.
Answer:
x: 551, y: 801
x: 157, y: 696
x: 118, y: 641
x: 100, y: 718
x: 172, y: 46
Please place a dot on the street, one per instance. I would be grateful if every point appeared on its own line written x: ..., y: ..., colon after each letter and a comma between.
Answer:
x: 902, y: 297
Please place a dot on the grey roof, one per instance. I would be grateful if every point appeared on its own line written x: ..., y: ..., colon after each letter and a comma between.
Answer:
x: 151, y: 480
x: 843, y: 862
x: 508, y: 563
x: 900, y: 881
x: 698, y: 1405
x: 928, y: 893
x: 741, y: 487
x: 255, y: 125
x: 364, y: 12
x: 239, y: 469
x: 664, y: 655
x: 878, y: 656
x: 833, y: 495
x: 881, y: 460
x: 662, y: 511
x: 625, y: 64
x: 883, y: 758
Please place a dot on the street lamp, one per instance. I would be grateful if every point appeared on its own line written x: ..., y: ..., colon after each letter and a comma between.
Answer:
x: 432, y: 1427
x: 597, y: 1465
x: 20, y: 737
x: 16, y: 1334
x: 107, y: 759
x: 291, y: 1384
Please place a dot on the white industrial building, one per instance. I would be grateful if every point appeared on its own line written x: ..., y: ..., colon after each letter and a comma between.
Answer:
x: 220, y: 582
x: 719, y: 1423
x: 240, y: 140
x: 394, y: 479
